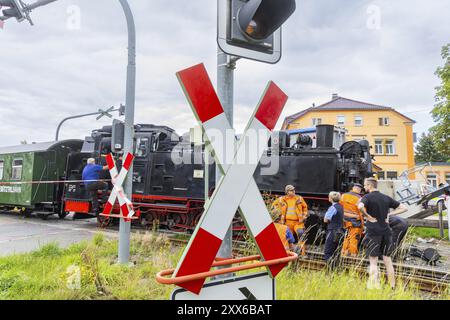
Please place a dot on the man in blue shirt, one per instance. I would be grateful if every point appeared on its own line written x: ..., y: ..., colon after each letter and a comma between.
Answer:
x: 91, y: 177
x: 334, y: 218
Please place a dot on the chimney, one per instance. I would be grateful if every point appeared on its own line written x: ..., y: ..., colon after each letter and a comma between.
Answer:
x: 334, y: 96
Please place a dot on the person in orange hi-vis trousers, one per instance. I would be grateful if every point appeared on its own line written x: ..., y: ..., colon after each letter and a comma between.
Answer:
x: 353, y: 220
x: 285, y: 234
x: 294, y: 212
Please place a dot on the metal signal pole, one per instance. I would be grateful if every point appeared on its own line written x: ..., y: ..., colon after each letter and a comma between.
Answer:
x: 225, y: 89
x: 124, y: 228
x: 22, y: 12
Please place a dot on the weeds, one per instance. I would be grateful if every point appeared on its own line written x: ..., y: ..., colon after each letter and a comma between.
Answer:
x: 88, y: 270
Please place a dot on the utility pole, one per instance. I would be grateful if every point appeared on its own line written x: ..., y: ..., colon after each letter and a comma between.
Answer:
x: 225, y: 90
x: 245, y: 29
x: 124, y: 228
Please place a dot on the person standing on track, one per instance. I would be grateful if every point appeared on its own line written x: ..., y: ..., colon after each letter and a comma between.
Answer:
x: 334, y: 218
x: 285, y: 234
x: 353, y: 220
x: 378, y: 240
x: 294, y: 212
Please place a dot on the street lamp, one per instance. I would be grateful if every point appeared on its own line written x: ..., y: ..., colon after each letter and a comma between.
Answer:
x: 100, y: 114
x: 15, y: 10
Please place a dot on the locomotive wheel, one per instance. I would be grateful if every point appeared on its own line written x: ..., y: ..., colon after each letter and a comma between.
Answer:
x: 177, y: 219
x: 62, y: 214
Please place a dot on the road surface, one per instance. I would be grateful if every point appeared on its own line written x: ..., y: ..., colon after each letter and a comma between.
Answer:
x: 19, y: 234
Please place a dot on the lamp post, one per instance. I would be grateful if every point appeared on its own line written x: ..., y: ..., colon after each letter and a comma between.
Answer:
x: 100, y: 112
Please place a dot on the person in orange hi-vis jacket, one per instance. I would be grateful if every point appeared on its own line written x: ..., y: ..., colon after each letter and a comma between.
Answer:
x: 353, y: 220
x: 294, y: 212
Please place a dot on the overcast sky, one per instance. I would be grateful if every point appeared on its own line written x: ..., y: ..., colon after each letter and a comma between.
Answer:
x: 382, y: 52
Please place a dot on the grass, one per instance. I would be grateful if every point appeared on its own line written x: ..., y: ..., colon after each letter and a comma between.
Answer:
x: 320, y: 285
x: 88, y: 270
x: 424, y: 232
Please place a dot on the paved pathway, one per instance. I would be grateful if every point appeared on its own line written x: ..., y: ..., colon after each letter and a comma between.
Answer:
x: 19, y: 234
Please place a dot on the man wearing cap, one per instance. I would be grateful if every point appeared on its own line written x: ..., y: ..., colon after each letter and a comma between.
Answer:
x: 294, y: 212
x: 353, y: 220
x: 91, y: 179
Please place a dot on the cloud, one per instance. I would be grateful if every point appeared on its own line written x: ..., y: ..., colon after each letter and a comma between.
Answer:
x: 51, y: 71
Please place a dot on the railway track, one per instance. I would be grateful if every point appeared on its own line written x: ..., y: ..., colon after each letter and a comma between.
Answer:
x: 429, y: 280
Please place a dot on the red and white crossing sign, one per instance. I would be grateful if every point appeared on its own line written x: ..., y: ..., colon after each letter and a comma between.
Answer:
x: 237, y: 189
x: 117, y: 179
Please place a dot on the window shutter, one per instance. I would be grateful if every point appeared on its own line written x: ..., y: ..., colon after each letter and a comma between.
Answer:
x: 380, y: 121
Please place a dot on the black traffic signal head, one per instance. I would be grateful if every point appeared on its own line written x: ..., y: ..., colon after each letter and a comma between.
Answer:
x: 252, y: 28
x: 259, y: 19
x: 15, y: 10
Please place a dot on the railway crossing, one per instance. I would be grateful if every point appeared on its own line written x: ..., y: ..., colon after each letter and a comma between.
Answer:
x: 236, y: 189
x: 117, y: 178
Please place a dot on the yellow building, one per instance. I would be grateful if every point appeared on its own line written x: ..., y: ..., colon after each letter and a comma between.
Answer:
x: 389, y: 132
x: 437, y: 173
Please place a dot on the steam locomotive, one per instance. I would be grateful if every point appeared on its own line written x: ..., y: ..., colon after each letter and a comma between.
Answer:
x: 169, y: 179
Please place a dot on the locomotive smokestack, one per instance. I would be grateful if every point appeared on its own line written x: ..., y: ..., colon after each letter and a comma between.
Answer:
x: 324, y: 136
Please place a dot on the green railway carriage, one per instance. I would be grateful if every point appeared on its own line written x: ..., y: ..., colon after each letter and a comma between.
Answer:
x: 24, y: 171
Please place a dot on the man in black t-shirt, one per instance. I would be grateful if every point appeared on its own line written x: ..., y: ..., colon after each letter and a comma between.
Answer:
x: 378, y: 240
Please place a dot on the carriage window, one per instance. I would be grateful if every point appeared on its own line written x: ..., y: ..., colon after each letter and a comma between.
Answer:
x: 1, y: 169
x: 141, y: 147
x: 17, y: 169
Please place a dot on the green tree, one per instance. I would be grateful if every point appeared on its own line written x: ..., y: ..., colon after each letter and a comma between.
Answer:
x: 441, y: 110
x: 426, y: 150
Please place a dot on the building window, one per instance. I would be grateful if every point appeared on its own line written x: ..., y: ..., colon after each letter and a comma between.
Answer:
x: 316, y: 121
x: 390, y: 148
x: 378, y: 146
x: 432, y: 179
x: 380, y: 175
x: 340, y: 120
x: 17, y: 169
x: 358, y: 121
x: 383, y: 121
x: 358, y: 138
x: 447, y: 178
x: 391, y: 175
x: 2, y: 163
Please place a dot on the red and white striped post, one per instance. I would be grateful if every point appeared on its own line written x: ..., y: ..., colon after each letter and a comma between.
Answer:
x: 117, y: 178
x: 237, y: 188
